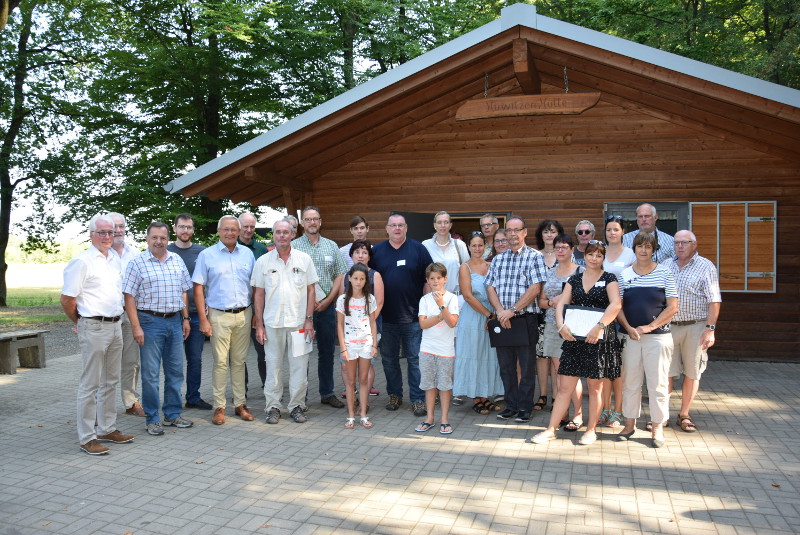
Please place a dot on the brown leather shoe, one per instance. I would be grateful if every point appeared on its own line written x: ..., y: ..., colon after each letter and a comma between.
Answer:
x: 135, y: 410
x: 116, y: 437
x: 219, y: 416
x: 244, y: 414
x: 93, y: 447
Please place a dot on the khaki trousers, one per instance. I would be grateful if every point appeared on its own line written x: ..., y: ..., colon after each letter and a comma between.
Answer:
x: 129, y: 372
x: 650, y: 356
x: 230, y: 341
x: 101, y: 351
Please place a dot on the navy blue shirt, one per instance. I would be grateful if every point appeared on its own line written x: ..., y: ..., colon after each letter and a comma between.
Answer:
x: 403, y: 272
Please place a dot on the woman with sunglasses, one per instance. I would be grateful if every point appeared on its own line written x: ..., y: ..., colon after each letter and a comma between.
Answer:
x: 618, y: 257
x: 598, y: 354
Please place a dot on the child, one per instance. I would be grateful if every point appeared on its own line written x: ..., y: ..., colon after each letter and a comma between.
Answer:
x: 438, y: 315
x: 356, y: 312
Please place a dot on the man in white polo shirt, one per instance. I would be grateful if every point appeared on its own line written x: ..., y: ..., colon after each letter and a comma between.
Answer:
x: 92, y: 299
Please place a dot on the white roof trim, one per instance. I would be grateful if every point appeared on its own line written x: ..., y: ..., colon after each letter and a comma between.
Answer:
x: 515, y: 15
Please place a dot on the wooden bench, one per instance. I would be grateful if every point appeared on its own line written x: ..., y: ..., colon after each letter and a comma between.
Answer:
x: 27, y: 345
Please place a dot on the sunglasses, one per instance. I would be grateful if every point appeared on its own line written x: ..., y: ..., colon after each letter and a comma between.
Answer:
x: 616, y: 218
x: 583, y: 232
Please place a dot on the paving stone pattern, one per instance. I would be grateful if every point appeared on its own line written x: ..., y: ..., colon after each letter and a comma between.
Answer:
x: 737, y: 475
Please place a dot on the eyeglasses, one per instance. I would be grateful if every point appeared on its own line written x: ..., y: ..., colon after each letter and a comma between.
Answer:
x: 311, y: 219
x: 562, y: 247
x: 104, y: 233
x: 683, y: 243
x: 584, y: 232
x: 188, y: 227
x: 396, y: 225
x: 501, y: 240
x: 488, y: 224
x: 514, y: 230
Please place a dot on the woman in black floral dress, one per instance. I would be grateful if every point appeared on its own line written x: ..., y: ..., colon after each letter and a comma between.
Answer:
x: 593, y: 357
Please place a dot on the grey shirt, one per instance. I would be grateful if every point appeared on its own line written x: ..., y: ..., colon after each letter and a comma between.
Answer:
x: 189, y: 257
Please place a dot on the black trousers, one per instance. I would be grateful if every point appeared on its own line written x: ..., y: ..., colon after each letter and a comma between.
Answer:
x: 519, y: 391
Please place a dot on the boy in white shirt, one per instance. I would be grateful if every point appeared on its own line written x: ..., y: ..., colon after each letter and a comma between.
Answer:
x: 438, y: 315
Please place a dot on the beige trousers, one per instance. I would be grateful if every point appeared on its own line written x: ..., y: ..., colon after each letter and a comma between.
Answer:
x: 650, y: 357
x: 101, y: 351
x: 230, y: 341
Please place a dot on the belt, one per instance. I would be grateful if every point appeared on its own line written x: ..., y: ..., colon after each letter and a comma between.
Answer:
x: 232, y: 310
x: 102, y: 319
x: 689, y: 322
x: 158, y: 314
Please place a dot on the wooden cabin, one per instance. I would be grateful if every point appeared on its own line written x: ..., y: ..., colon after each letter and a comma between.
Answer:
x: 537, y: 117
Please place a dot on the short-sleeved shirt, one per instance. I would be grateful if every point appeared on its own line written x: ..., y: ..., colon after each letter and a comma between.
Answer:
x: 285, y: 287
x: 512, y: 273
x: 438, y: 340
x: 226, y: 275
x: 666, y: 244
x: 256, y: 247
x: 326, y: 257
x: 644, y: 297
x: 189, y: 257
x: 698, y: 285
x: 94, y: 280
x: 157, y: 285
x: 403, y: 273
x: 357, y: 331
x: 128, y: 254
x: 625, y: 259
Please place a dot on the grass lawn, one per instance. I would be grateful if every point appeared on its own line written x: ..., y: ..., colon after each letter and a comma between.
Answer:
x: 33, y: 297
x: 31, y: 306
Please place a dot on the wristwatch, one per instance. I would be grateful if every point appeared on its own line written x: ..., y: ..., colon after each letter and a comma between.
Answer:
x: 601, y: 324
x: 442, y: 307
x: 309, y: 318
x: 711, y: 327
x: 186, y: 318
x: 513, y: 309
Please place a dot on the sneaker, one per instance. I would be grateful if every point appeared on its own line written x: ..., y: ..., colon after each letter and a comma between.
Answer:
x: 273, y: 415
x: 298, y: 416
x: 155, y: 429
x: 333, y: 401
x: 394, y: 403
x: 116, y: 437
x: 419, y: 408
x: 200, y: 404
x: 374, y: 392
x: 179, y: 422
x: 93, y: 447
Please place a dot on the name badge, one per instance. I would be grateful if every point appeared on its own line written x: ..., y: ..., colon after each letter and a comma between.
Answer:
x: 401, y: 263
x: 329, y: 259
x: 600, y: 284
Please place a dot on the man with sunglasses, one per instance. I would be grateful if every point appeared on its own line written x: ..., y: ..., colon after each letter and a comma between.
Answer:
x: 646, y: 218
x: 513, y: 284
x: 585, y: 232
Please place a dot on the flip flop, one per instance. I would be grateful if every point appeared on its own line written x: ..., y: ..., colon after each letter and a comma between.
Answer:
x: 424, y: 426
x: 365, y: 423
x: 445, y: 429
x: 572, y: 426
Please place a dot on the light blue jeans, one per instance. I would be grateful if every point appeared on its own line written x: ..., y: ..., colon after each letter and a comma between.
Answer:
x: 163, y: 346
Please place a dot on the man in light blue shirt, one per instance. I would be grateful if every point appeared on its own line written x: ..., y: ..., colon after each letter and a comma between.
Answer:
x: 223, y: 295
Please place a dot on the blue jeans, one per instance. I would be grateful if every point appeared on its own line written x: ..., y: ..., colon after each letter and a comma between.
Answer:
x: 411, y: 336
x: 193, y: 347
x: 163, y: 346
x: 325, y: 332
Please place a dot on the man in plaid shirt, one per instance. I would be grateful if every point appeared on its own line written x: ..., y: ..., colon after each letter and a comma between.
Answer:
x: 513, y: 285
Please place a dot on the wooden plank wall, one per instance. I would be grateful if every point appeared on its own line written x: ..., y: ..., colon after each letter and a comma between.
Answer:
x: 565, y: 167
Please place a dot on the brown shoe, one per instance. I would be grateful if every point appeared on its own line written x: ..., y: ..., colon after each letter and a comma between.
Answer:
x: 116, y: 437
x: 219, y: 416
x: 136, y: 409
x: 244, y: 414
x: 93, y: 447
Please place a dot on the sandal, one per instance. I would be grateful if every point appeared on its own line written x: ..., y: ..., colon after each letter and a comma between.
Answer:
x: 492, y: 407
x: 365, y: 423
x: 615, y: 420
x: 445, y: 429
x: 572, y: 426
x: 541, y: 404
x: 649, y: 425
x: 350, y: 423
x: 422, y: 427
x: 686, y: 424
x: 481, y: 407
x: 605, y: 416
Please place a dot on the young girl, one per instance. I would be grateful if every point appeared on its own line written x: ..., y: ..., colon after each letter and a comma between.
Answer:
x: 356, y: 312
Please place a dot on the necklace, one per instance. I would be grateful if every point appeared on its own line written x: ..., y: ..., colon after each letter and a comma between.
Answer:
x: 549, y: 253
x: 441, y: 244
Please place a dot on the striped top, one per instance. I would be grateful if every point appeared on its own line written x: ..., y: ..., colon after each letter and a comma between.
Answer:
x: 644, y: 297
x: 698, y: 285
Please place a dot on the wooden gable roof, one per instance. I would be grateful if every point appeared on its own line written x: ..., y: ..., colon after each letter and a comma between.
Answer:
x: 517, y: 53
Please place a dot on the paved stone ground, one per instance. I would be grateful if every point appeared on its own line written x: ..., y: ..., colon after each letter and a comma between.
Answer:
x: 738, y: 475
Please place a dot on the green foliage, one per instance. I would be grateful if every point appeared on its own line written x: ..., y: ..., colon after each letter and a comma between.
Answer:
x: 20, y: 251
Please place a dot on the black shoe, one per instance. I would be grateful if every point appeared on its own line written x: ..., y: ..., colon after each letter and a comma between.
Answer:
x: 199, y: 405
x: 523, y: 416
x: 506, y: 414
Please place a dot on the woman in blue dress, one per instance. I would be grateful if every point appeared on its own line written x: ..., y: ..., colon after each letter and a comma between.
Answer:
x: 477, y: 374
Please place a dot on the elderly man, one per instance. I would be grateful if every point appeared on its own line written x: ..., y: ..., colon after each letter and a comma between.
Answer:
x: 513, y: 285
x: 222, y: 286
x: 247, y: 225
x: 401, y: 262
x: 646, y: 218
x: 330, y: 268
x: 155, y: 286
x: 129, y: 372
x: 183, y: 228
x: 585, y: 232
x: 92, y: 299
x: 283, y: 301
x: 359, y: 229
x: 489, y: 226
x: 693, y: 327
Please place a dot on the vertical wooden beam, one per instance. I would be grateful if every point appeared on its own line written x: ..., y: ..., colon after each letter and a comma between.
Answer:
x: 525, y: 68
x: 288, y: 199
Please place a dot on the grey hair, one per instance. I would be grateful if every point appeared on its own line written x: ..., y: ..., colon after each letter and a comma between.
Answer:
x: 244, y: 214
x: 653, y: 208
x: 279, y: 222
x: 117, y: 214
x: 291, y: 219
x: 100, y: 217
x: 223, y: 218
x: 585, y: 222
x: 489, y: 216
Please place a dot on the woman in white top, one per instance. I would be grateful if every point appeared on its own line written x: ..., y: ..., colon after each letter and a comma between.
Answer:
x: 618, y: 257
x: 446, y: 250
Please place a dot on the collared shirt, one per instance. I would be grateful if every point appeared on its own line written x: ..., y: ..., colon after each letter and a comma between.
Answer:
x: 226, y: 275
x: 698, y: 285
x: 128, y: 254
x: 156, y: 285
x: 256, y: 247
x: 94, y: 280
x: 512, y: 273
x: 285, y: 287
x: 666, y: 244
x: 326, y: 257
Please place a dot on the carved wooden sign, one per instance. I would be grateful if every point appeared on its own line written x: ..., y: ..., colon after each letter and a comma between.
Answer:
x: 519, y: 105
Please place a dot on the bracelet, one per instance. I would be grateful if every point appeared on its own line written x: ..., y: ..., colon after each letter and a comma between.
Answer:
x: 562, y: 327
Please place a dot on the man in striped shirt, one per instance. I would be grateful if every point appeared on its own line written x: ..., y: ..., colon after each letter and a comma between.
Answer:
x: 693, y: 327
x: 646, y: 218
